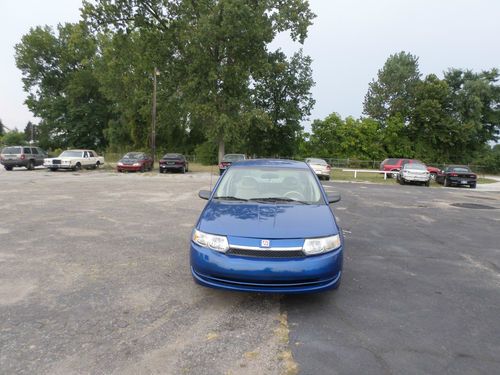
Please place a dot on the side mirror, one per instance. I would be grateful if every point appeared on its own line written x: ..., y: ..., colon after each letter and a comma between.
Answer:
x: 204, y: 194
x: 333, y: 197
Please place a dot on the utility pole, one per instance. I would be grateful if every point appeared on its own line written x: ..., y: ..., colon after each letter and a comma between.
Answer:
x: 153, y: 122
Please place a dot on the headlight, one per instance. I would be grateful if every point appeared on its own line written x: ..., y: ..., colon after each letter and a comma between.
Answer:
x: 120, y: 163
x: 212, y: 241
x: 321, y: 245
x: 137, y: 164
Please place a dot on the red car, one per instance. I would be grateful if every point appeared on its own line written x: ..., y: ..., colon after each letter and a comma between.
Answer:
x: 135, y: 161
x: 395, y: 165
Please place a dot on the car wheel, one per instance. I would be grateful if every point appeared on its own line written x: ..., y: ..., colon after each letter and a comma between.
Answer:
x: 143, y: 169
x: 394, y: 174
x: 473, y: 186
x: 183, y: 170
x: 52, y: 169
x: 327, y: 178
x: 446, y: 182
x: 30, y: 165
x: 8, y: 168
x: 97, y: 165
x: 77, y: 167
x: 402, y: 181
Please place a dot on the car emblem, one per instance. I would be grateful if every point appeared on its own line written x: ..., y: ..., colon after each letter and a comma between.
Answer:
x: 265, y: 243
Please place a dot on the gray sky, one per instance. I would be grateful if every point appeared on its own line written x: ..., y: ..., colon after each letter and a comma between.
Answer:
x: 349, y: 42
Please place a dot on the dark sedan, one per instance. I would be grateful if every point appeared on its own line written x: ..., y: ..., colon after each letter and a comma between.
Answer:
x: 174, y: 162
x: 135, y: 161
x: 457, y: 175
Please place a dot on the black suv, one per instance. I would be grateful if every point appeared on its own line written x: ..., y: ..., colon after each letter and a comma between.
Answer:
x: 22, y: 156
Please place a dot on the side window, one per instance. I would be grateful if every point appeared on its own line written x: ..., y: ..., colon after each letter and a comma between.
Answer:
x: 34, y: 151
x: 85, y: 154
x: 27, y: 150
x: 91, y: 154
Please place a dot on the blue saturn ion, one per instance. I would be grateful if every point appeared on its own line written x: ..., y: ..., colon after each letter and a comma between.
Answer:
x: 268, y: 227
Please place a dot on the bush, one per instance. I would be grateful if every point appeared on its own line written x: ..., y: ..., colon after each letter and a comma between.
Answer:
x: 206, y: 153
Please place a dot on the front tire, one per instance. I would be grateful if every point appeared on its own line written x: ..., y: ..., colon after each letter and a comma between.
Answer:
x: 473, y: 186
x: 77, y: 167
x: 97, y: 165
x: 30, y: 165
x: 8, y: 168
x: 446, y: 183
x: 183, y: 170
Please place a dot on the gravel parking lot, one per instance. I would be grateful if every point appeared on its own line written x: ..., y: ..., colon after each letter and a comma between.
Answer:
x: 94, y: 278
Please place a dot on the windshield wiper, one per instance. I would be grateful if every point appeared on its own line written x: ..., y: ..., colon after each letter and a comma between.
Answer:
x: 231, y: 198
x: 277, y: 199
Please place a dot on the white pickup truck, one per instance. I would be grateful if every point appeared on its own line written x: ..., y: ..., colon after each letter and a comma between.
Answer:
x: 75, y: 160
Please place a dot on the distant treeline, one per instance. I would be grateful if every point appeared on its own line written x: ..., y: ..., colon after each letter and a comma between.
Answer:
x: 220, y: 89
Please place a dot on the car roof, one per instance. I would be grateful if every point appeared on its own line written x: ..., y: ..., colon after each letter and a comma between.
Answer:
x: 280, y: 163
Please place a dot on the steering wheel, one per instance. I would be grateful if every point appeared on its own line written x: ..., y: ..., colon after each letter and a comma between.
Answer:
x: 295, y: 195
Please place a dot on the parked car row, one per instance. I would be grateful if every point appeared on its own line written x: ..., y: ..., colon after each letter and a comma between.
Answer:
x: 411, y: 170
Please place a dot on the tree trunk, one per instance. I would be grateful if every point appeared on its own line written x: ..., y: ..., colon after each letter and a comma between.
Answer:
x: 221, y: 149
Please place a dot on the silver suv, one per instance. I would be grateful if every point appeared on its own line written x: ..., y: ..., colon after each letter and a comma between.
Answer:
x: 22, y: 156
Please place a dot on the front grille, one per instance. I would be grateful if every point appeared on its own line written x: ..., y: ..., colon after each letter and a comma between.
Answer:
x: 266, y: 253
x: 56, y: 161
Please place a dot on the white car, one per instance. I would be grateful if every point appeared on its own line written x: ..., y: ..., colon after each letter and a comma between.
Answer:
x: 320, y: 167
x: 75, y: 160
x: 414, y: 172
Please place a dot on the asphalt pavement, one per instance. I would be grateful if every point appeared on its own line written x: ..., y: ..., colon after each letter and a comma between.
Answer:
x: 94, y: 278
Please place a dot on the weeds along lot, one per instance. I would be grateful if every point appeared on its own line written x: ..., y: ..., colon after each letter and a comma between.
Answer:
x: 95, y: 278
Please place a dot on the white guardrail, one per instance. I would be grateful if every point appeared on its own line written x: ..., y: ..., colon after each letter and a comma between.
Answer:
x: 356, y: 171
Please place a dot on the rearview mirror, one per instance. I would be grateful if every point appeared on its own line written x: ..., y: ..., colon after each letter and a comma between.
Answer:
x: 333, y: 197
x: 204, y: 194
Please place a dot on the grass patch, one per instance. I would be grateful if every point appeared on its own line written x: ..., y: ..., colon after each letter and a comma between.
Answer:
x: 482, y: 180
x: 340, y: 175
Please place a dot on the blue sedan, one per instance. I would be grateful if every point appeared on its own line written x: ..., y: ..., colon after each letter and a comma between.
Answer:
x: 268, y: 227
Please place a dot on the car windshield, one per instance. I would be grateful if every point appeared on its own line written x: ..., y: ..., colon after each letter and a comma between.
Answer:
x: 316, y: 161
x: 233, y: 157
x: 172, y: 156
x: 269, y: 185
x: 133, y: 155
x: 11, y: 150
x: 420, y: 167
x: 71, y: 154
x: 460, y: 169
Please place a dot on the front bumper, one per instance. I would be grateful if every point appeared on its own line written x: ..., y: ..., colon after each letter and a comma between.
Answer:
x: 266, y: 275
x: 58, y: 166
x: 128, y: 168
x: 166, y: 167
x: 461, y: 181
x: 416, y: 178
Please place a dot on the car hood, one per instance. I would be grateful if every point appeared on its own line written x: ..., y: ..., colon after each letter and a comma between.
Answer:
x: 271, y: 221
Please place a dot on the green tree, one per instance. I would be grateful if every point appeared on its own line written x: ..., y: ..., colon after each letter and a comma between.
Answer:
x: 392, y: 93
x: 217, y: 48
x: 58, y: 75
x: 475, y: 103
x: 13, y: 138
x: 283, y: 93
x: 1, y: 128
